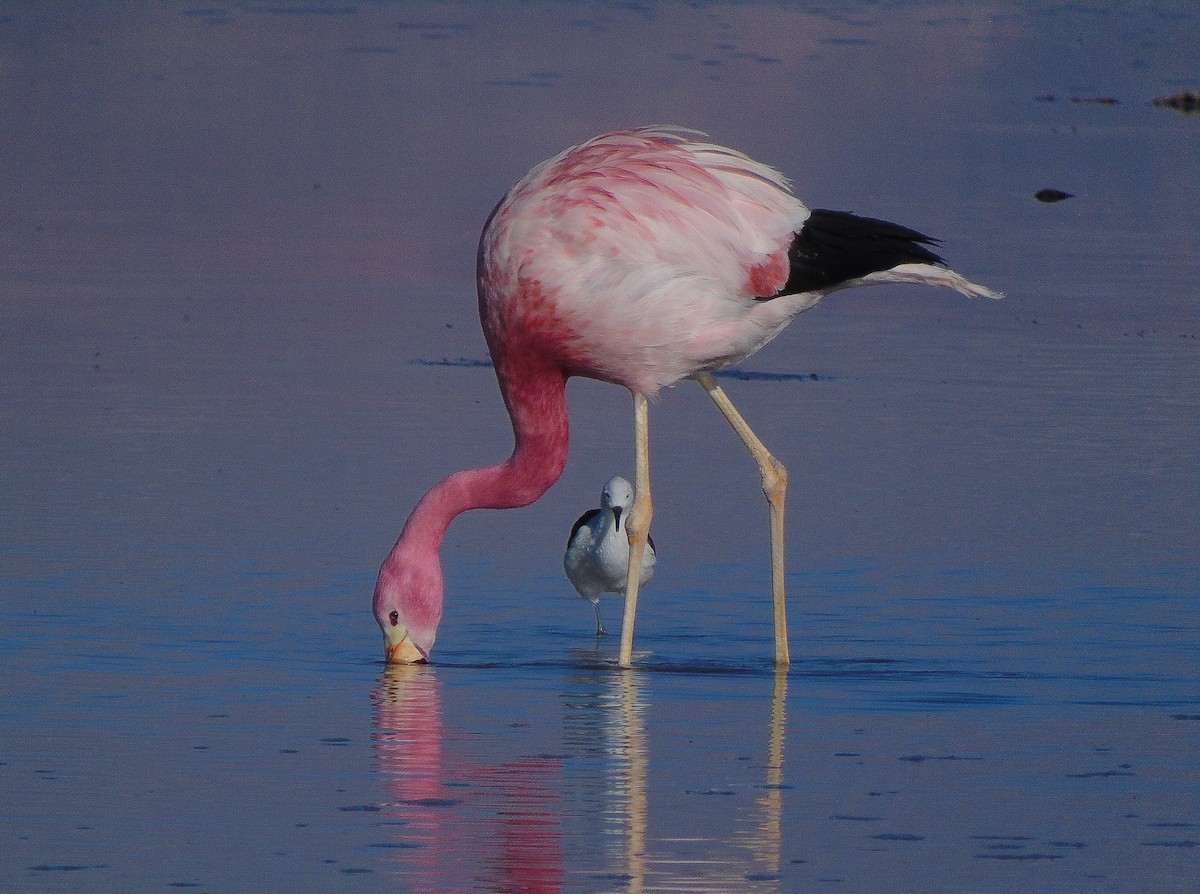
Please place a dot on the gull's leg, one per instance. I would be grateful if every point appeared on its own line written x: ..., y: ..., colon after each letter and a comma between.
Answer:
x: 774, y: 484
x: 600, y: 631
x: 637, y: 523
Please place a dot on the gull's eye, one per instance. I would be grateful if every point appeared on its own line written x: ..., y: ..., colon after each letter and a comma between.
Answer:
x: 394, y: 617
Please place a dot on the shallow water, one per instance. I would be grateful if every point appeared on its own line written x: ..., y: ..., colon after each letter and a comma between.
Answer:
x: 238, y: 341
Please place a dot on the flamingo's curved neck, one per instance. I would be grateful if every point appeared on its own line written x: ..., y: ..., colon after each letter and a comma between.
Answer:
x: 535, y: 393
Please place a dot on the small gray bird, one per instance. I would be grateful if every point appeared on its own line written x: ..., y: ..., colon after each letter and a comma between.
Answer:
x: 597, y: 556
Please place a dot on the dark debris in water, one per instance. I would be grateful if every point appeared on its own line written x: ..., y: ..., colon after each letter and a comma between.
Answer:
x: 1101, y: 774
x: 67, y: 867
x: 1187, y: 842
x: 1186, y: 101
x: 1052, y: 195
x: 431, y: 802
x: 1022, y: 856
x: 850, y: 818
x: 1081, y: 100
x: 749, y: 375
x: 1013, y: 847
x: 397, y: 845
x: 466, y: 362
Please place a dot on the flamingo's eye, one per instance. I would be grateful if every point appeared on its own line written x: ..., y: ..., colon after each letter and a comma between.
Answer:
x: 394, y: 617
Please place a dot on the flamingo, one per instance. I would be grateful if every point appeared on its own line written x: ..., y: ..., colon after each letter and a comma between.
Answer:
x: 641, y: 258
x: 597, y: 556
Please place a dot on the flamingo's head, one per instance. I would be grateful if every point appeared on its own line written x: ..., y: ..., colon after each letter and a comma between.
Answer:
x: 408, y: 604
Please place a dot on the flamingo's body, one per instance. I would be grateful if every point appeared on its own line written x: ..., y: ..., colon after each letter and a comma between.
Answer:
x: 597, y: 555
x: 640, y: 258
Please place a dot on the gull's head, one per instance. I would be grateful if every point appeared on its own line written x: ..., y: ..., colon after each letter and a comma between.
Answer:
x: 617, y: 494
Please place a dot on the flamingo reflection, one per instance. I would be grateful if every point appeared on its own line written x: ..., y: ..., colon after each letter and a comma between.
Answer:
x: 607, y: 720
x: 464, y: 823
x: 461, y: 825
x: 766, y: 842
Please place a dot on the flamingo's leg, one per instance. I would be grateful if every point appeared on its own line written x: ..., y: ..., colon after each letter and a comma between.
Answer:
x: 637, y: 524
x: 774, y: 484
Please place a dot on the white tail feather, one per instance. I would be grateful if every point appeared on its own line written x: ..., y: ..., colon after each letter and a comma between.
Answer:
x: 931, y: 275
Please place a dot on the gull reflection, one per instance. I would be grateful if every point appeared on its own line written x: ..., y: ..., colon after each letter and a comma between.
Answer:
x: 604, y: 728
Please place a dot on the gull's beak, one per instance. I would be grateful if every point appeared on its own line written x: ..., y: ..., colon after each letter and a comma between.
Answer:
x: 401, y: 649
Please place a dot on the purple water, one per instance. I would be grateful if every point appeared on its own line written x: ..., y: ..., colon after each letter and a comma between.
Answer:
x: 238, y: 340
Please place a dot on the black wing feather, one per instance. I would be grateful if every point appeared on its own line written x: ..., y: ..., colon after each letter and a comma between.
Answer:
x: 580, y: 522
x: 836, y: 246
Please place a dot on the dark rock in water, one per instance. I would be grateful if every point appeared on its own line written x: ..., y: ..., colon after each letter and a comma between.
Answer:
x: 1052, y: 195
x: 1187, y: 101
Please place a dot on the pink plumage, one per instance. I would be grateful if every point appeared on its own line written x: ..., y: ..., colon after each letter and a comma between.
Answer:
x: 639, y: 258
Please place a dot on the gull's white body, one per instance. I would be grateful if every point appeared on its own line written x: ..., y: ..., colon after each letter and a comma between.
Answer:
x: 597, y: 556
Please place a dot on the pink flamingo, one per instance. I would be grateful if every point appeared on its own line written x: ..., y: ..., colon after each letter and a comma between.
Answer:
x: 641, y: 258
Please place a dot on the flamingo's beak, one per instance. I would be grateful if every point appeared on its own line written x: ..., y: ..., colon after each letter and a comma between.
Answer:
x: 403, y: 651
